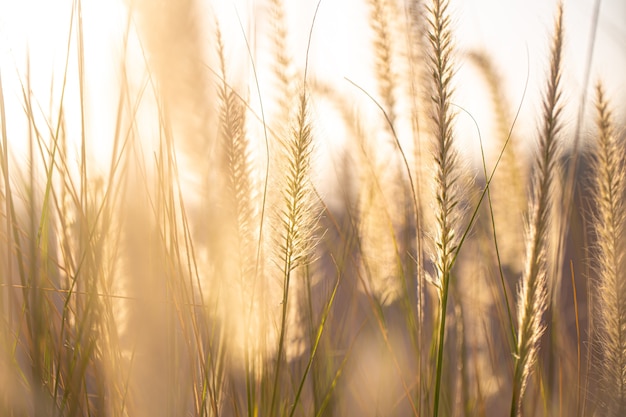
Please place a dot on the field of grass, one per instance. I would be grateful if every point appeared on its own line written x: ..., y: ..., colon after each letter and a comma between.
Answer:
x: 197, y: 256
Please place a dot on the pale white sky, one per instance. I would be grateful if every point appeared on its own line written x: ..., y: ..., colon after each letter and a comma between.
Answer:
x: 515, y: 32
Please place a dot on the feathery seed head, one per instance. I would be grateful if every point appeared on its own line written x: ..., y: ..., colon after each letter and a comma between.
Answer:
x: 609, y: 190
x: 533, y: 293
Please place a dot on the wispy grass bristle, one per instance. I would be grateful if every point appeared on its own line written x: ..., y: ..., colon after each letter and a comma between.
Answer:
x: 296, y: 226
x: 383, y: 49
x: 609, y: 193
x: 508, y: 186
x: 448, y: 178
x: 202, y: 216
x: 533, y: 292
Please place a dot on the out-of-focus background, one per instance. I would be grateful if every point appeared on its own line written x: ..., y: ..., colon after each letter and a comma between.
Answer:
x: 515, y: 34
x: 129, y: 278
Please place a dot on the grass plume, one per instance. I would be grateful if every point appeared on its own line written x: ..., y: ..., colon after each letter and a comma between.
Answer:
x: 449, y: 211
x: 296, y: 220
x: 383, y: 49
x: 609, y: 186
x: 533, y: 291
x: 169, y: 247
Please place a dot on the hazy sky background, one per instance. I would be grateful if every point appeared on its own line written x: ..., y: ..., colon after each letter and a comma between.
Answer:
x: 515, y: 32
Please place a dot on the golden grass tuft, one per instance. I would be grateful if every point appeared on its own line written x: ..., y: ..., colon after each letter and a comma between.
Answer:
x: 203, y: 269
x: 383, y: 49
x: 296, y: 222
x: 533, y: 295
x: 450, y: 211
x: 609, y: 192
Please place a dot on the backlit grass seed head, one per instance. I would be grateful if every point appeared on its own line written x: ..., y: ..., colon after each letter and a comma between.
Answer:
x: 533, y: 293
x: 285, y: 80
x: 609, y: 190
x: 244, y: 291
x: 449, y: 210
x: 383, y: 49
x: 297, y: 220
x: 294, y: 218
x: 380, y: 211
x: 508, y: 186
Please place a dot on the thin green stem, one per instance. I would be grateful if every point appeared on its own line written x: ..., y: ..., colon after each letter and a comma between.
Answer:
x: 440, y: 345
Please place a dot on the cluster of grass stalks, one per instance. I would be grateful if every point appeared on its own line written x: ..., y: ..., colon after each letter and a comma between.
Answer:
x: 205, y: 270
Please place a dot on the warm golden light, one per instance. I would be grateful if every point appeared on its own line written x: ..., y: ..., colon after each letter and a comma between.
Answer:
x: 281, y: 207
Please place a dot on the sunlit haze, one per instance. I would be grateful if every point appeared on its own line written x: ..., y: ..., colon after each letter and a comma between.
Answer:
x: 312, y: 208
x: 515, y: 33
